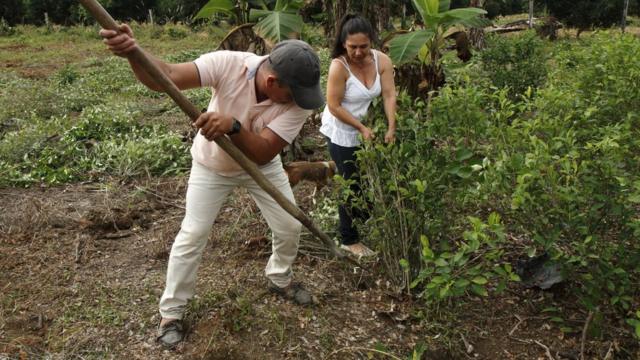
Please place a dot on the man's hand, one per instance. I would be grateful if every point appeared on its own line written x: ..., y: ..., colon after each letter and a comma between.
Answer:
x: 119, y: 43
x: 213, y: 124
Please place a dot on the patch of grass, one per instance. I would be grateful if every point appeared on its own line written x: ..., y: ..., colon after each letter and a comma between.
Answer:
x: 200, y: 305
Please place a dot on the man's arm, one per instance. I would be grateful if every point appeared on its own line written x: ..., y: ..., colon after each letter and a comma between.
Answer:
x: 184, y: 75
x: 260, y: 148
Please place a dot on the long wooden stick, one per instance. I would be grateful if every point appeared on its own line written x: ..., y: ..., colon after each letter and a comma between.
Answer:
x: 140, y: 57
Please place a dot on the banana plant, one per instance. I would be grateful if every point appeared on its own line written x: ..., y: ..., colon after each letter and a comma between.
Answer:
x: 426, y: 44
x: 274, y: 20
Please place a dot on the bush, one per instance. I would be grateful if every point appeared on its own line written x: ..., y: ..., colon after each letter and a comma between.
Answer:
x: 557, y: 169
x: 586, y: 14
x: 103, y: 141
x: 518, y: 63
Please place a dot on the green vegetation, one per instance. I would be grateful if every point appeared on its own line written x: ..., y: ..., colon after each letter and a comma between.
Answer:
x: 531, y: 148
x: 555, y: 168
x: 77, y: 121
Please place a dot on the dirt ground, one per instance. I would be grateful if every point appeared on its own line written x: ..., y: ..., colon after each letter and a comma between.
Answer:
x: 83, y: 269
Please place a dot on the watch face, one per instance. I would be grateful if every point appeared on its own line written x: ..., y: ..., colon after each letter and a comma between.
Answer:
x: 235, y: 128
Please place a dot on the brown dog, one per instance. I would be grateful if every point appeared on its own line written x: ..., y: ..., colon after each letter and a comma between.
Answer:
x: 319, y: 172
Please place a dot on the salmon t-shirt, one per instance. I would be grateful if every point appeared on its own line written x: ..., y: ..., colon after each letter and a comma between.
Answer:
x: 231, y: 75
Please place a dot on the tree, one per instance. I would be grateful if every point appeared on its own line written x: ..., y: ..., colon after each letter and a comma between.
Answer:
x: 273, y: 25
x: 624, y: 14
x: 378, y: 12
x: 11, y: 11
x: 476, y: 35
x: 586, y: 14
x: 426, y: 44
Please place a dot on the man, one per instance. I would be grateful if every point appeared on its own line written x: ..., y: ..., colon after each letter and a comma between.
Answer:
x: 260, y: 103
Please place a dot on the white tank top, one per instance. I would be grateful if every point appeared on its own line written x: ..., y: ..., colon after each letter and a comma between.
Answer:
x: 357, y: 98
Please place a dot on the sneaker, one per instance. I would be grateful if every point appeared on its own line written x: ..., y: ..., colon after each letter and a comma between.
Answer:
x: 294, y: 292
x: 358, y: 249
x: 171, y: 334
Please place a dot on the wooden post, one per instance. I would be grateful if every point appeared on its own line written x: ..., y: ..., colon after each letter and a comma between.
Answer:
x: 530, y: 14
x: 151, y: 16
x: 140, y: 57
x: 624, y: 15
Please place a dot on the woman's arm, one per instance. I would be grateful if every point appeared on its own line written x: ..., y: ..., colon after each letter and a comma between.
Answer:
x: 388, y: 95
x: 336, y: 85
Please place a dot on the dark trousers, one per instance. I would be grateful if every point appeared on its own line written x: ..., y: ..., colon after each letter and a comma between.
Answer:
x: 346, y: 163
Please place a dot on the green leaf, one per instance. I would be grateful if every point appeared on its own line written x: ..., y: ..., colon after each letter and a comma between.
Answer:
x: 441, y: 262
x: 404, y: 264
x: 460, y: 283
x: 444, y: 6
x: 405, y: 47
x: 277, y: 25
x: 479, y: 290
x: 463, y: 172
x: 480, y: 280
x: 215, y: 7
x: 426, y: 7
x: 468, y: 17
x: 463, y: 154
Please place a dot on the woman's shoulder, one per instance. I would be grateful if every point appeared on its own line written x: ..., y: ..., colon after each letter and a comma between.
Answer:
x: 339, y: 65
x: 382, y: 56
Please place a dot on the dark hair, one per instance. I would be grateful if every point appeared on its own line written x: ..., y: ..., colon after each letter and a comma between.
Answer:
x: 351, y: 24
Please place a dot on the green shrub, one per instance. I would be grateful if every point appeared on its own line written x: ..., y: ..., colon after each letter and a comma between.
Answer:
x: 518, y: 63
x: 555, y: 168
x: 586, y: 14
x: 103, y: 141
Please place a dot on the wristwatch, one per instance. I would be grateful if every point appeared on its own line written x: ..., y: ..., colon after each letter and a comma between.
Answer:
x: 235, y: 128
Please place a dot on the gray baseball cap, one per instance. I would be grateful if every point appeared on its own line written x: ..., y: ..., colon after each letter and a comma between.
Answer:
x: 298, y: 67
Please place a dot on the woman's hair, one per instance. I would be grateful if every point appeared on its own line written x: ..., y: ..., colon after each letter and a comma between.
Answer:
x: 351, y: 24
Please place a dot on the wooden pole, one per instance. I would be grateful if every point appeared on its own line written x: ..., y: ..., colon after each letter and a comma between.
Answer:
x: 140, y: 57
x: 530, y: 14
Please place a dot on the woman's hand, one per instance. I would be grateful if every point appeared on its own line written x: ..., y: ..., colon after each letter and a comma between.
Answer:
x: 390, y: 136
x: 366, y: 133
x: 119, y: 43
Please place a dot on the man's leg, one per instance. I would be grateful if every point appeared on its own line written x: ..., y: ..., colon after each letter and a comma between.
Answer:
x: 285, y: 228
x: 205, y: 195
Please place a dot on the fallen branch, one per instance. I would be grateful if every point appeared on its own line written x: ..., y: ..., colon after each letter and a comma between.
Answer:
x: 546, y: 349
x: 363, y: 349
x: 609, y: 354
x: 584, y: 334
x: 516, y: 326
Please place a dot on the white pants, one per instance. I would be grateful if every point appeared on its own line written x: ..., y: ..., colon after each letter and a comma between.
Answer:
x: 206, y: 193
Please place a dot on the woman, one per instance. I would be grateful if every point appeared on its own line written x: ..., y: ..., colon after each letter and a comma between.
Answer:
x: 357, y: 75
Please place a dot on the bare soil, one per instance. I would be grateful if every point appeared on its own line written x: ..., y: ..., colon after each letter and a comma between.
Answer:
x: 83, y: 269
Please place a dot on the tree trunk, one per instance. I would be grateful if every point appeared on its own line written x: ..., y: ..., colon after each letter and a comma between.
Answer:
x: 530, y: 14
x: 476, y: 35
x: 335, y: 10
x: 624, y: 15
x: 378, y: 12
